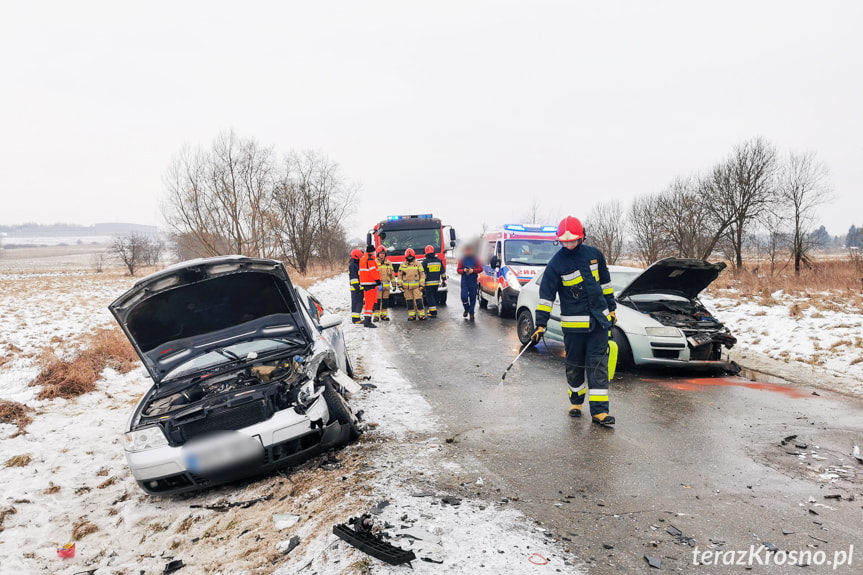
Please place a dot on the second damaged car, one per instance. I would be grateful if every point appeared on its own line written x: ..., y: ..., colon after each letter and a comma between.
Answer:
x: 246, y: 379
x: 661, y: 320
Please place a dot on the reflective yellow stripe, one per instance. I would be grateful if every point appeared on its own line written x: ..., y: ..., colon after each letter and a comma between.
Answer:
x: 598, y: 398
x: 434, y: 267
x: 608, y: 291
x: 432, y: 283
x: 595, y: 275
x: 571, y: 279
x: 575, y: 324
x: 542, y: 307
x: 573, y: 282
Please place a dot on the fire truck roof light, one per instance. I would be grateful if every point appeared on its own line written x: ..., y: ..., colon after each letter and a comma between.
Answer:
x: 514, y: 227
x: 549, y: 228
x: 411, y: 217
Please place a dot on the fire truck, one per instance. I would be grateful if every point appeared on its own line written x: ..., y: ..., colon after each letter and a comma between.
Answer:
x: 398, y: 233
x: 511, y: 257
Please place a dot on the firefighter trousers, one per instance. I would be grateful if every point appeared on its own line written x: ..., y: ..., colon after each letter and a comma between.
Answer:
x: 587, y: 368
x: 381, y: 310
x: 414, y: 302
x: 356, y: 305
x: 431, y: 300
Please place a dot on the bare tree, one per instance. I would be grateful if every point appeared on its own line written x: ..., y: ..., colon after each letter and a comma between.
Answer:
x: 129, y: 249
x: 683, y: 219
x: 98, y: 261
x: 803, y: 187
x: 648, y: 239
x: 153, y: 251
x: 537, y: 214
x: 310, y: 200
x: 604, y: 227
x: 221, y: 196
x: 741, y: 189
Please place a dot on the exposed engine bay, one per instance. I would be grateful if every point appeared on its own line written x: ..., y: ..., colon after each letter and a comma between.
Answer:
x: 230, y: 400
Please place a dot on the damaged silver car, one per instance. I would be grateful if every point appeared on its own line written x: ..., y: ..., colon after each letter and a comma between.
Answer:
x: 249, y: 375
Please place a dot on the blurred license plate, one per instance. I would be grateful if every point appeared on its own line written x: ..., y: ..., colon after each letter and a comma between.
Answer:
x: 221, y: 451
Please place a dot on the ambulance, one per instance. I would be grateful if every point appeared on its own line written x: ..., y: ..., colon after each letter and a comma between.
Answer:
x: 512, y: 256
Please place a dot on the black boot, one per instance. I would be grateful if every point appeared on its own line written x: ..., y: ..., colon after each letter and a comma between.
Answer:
x: 603, y: 419
x: 368, y: 322
x: 464, y: 314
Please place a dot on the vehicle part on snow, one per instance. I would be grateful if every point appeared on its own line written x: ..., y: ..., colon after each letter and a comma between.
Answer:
x: 450, y: 500
x: 67, y: 551
x: 229, y: 505
x: 285, y: 520
x: 286, y: 547
x: 361, y: 537
x: 173, y: 566
x: 654, y: 562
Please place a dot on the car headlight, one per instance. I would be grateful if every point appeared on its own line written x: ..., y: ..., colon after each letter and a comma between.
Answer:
x: 144, y: 439
x: 512, y: 280
x: 663, y: 331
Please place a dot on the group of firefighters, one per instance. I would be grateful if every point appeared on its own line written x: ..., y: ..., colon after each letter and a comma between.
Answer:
x: 577, y: 275
x: 373, y: 276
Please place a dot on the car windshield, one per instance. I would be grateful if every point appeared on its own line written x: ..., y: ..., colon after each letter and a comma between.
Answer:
x: 397, y: 241
x: 528, y: 252
x: 226, y: 354
x: 620, y: 280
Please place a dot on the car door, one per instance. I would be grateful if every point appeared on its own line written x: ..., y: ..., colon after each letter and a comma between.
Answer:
x: 334, y: 335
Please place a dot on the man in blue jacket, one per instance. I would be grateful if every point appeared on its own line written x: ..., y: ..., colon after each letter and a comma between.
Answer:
x: 578, y: 274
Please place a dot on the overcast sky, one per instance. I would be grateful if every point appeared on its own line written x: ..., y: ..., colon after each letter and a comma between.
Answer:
x: 470, y: 110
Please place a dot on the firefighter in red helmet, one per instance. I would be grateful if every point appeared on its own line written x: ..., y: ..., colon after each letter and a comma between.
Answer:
x: 411, y: 279
x: 370, y: 283
x: 579, y: 276
x: 388, y: 279
x: 434, y: 273
x: 356, y: 292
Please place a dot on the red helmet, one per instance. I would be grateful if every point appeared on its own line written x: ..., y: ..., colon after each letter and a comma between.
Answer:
x: 429, y: 250
x: 381, y: 249
x: 410, y: 253
x: 570, y: 230
x: 356, y: 253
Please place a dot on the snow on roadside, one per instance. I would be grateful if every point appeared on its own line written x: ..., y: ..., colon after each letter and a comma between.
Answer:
x: 791, y: 330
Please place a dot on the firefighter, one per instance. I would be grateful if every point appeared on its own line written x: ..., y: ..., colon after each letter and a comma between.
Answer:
x: 388, y: 281
x: 370, y: 283
x: 434, y: 272
x: 356, y: 292
x: 577, y: 273
x: 469, y: 269
x: 411, y: 280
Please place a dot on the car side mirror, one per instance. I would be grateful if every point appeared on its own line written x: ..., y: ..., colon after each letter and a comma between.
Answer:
x: 452, y: 237
x: 329, y: 320
x: 495, y: 262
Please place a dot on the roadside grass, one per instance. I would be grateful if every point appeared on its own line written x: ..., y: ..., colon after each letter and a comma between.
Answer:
x: 67, y: 378
x: 315, y: 274
x: 16, y: 414
x: 19, y: 460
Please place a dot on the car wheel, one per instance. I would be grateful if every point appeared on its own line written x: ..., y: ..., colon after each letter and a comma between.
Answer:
x: 502, y: 309
x: 625, y: 362
x: 338, y: 407
x: 483, y: 303
x: 524, y: 326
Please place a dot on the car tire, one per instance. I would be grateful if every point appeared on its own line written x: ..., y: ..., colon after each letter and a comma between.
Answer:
x: 625, y: 362
x: 483, y: 303
x: 524, y: 326
x: 338, y: 407
x: 502, y: 309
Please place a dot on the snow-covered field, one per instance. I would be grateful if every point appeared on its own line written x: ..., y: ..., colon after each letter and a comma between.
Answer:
x: 76, y: 482
x: 791, y: 330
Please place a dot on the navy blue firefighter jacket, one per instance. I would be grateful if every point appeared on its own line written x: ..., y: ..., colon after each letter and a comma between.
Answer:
x: 580, y: 277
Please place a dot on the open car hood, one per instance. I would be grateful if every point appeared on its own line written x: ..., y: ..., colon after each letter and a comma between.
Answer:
x: 191, y: 308
x: 675, y: 276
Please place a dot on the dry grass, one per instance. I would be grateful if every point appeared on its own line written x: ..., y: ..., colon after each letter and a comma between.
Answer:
x: 67, y: 378
x: 51, y: 489
x: 15, y: 413
x: 315, y: 274
x: 824, y: 276
x: 4, y: 512
x: 19, y: 460
x: 82, y: 528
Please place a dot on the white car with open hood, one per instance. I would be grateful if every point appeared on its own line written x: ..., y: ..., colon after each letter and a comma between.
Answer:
x: 660, y: 320
x: 248, y: 373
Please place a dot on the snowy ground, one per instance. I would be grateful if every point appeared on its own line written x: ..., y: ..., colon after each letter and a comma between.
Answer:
x: 76, y: 474
x: 814, y: 336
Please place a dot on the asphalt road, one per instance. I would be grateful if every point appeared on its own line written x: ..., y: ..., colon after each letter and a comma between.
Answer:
x: 701, y: 455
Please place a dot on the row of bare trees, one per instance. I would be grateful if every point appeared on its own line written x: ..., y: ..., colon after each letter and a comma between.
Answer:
x: 755, y: 195
x: 239, y: 197
x: 133, y: 251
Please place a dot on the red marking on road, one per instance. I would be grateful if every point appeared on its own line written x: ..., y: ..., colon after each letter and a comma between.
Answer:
x: 538, y: 559
x: 699, y: 383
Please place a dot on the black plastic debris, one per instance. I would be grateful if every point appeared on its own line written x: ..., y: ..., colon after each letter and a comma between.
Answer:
x: 225, y: 506
x: 654, y: 562
x: 449, y: 500
x: 788, y: 438
x: 173, y: 566
x: 430, y: 560
x: 770, y: 546
x: 604, y: 545
x: 833, y: 496
x: 88, y: 572
x: 787, y: 532
x: 293, y: 543
x: 330, y: 463
x: 673, y: 531
x: 379, y: 508
x: 368, y: 386
x: 801, y: 445
x: 358, y: 532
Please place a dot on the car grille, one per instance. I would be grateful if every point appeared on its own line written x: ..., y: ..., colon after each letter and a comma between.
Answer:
x: 229, y: 419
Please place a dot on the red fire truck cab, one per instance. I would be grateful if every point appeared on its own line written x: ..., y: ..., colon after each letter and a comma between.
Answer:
x: 398, y: 233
